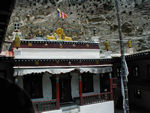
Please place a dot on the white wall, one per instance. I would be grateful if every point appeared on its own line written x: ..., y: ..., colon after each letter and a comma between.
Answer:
x: 74, y: 85
x: 96, y: 83
x: 47, y: 86
x: 105, y: 107
x: 39, y: 53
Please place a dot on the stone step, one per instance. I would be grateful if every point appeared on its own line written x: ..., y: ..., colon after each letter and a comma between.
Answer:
x: 70, y: 109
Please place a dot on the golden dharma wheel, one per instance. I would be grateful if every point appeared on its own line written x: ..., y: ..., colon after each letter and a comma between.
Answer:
x: 59, y: 31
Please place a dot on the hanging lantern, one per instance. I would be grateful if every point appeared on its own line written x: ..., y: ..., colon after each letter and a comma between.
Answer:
x: 107, y: 45
x: 129, y: 43
x: 17, y: 41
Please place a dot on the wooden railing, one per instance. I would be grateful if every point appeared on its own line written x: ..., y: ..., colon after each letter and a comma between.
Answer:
x: 44, y: 105
x: 102, y: 97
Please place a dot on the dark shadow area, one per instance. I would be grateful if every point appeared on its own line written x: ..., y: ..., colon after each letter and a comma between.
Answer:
x: 14, y: 99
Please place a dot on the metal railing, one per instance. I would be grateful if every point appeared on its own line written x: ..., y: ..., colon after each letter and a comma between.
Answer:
x: 102, y: 97
x: 44, y: 105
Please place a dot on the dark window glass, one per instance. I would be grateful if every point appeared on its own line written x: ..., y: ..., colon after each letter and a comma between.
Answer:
x: 33, y: 85
x: 87, y: 82
x: 104, y: 83
x: 135, y: 71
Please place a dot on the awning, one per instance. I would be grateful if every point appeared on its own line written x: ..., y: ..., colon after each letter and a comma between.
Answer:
x: 21, y: 71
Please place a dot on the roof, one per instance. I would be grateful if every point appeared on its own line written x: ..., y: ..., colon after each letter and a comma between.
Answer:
x: 142, y: 55
x: 47, y: 49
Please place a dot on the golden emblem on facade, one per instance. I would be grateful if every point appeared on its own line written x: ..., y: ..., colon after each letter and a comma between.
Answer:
x: 29, y: 44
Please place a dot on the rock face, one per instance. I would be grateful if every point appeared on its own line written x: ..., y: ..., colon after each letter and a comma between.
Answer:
x: 86, y: 18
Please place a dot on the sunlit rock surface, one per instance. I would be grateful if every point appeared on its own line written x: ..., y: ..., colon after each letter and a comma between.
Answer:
x: 86, y: 19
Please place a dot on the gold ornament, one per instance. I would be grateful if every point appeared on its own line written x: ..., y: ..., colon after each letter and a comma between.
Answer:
x: 74, y: 45
x: 129, y: 43
x: 60, y: 46
x: 17, y: 41
x: 57, y: 62
x: 87, y: 45
x: 107, y: 45
x: 29, y: 44
x: 37, y: 63
x: 59, y: 31
x: 46, y: 44
x: 97, y: 62
x: 69, y: 63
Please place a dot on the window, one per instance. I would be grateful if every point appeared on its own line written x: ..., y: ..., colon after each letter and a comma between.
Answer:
x: 136, y: 71
x: 33, y: 85
x: 104, y: 82
x: 118, y: 72
x: 138, y: 93
x: 87, y: 82
x: 16, y: 26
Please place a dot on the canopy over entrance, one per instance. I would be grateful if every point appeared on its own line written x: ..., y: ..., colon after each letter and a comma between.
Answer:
x: 20, y: 71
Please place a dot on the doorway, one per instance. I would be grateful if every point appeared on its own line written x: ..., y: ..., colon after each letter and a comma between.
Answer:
x: 65, y: 88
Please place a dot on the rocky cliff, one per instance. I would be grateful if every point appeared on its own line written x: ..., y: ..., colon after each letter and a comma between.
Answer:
x: 87, y: 19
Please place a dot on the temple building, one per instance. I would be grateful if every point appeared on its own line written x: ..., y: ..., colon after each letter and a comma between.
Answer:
x: 64, y: 76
